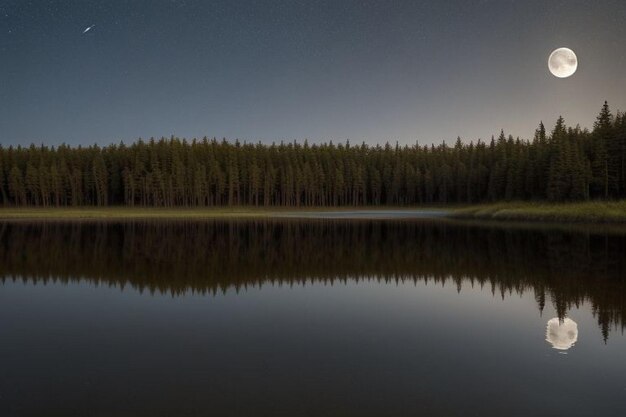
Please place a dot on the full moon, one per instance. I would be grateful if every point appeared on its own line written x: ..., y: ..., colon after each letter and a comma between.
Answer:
x: 562, y: 62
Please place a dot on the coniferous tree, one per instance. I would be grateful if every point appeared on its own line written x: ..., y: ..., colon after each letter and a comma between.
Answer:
x: 602, y: 181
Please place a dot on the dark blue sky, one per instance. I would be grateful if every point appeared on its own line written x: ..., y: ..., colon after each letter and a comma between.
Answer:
x: 283, y: 70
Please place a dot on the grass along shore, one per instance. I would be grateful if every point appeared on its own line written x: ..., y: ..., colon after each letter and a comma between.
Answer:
x: 113, y: 213
x: 591, y: 212
x: 122, y: 212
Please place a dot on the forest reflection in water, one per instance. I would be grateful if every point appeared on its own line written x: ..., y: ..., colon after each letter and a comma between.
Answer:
x: 560, y: 266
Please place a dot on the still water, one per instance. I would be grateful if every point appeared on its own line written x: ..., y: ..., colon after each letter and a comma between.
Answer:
x: 293, y: 317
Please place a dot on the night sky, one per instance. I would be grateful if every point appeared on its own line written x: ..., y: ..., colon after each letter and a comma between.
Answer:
x: 370, y: 71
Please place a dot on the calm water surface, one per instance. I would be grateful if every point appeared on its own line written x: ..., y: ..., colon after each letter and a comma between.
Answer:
x: 311, y: 317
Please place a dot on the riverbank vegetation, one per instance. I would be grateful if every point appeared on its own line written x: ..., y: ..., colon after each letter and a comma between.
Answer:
x: 584, y: 212
x: 589, y: 211
x: 564, y: 164
x: 122, y: 213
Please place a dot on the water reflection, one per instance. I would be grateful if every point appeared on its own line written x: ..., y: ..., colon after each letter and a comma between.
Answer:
x: 562, y: 334
x: 563, y: 267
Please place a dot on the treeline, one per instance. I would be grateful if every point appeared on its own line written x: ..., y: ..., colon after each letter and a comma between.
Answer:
x: 564, y: 164
x: 561, y: 267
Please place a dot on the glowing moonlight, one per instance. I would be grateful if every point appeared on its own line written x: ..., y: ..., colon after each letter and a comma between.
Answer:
x: 562, y: 334
x: 562, y: 62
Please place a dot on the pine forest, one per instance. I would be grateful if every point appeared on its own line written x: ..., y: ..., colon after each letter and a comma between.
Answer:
x: 558, y: 164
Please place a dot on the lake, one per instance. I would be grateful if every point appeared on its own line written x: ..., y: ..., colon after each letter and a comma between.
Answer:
x: 311, y: 317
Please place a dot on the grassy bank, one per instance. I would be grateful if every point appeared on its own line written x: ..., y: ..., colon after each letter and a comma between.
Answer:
x: 123, y: 213
x: 86, y: 213
x: 592, y: 212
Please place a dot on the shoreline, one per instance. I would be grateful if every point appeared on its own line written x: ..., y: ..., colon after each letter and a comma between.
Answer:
x: 8, y: 214
x: 585, y: 212
x: 608, y: 212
